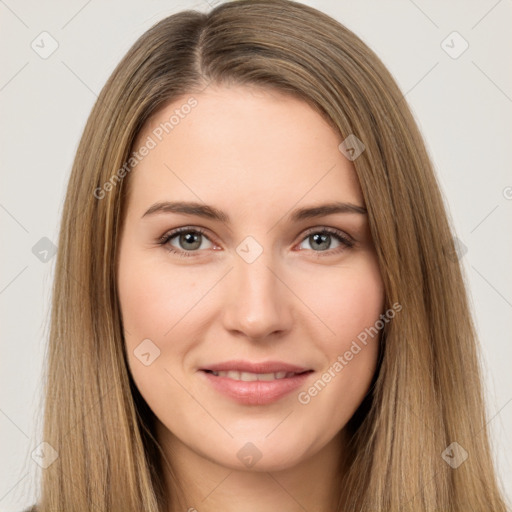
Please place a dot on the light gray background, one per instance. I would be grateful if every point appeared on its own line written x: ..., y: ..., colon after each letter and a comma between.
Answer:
x: 462, y: 105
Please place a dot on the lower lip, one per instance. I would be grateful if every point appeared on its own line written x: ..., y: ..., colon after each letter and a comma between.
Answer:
x: 258, y: 392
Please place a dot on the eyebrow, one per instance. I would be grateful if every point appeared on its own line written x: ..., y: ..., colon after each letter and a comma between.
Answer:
x: 210, y: 212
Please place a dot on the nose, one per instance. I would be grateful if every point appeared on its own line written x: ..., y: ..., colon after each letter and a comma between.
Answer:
x: 258, y: 303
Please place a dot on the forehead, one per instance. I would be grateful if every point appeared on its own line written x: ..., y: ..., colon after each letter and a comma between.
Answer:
x: 242, y: 146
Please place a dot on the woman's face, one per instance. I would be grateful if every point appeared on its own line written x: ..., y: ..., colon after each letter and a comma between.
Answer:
x: 250, y: 279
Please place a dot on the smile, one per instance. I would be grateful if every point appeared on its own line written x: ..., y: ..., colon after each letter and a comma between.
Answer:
x: 250, y: 376
x: 249, y: 388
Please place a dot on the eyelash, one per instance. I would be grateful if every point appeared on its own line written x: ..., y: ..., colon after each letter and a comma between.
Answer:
x: 346, y: 242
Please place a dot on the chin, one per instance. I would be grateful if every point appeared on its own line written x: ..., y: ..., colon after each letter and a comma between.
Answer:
x: 260, y: 454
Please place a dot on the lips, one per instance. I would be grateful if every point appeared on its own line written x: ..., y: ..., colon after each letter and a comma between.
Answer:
x: 255, y: 383
x: 251, y: 376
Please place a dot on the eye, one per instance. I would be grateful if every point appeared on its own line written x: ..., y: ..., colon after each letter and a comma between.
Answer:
x: 188, y: 240
x: 321, y: 240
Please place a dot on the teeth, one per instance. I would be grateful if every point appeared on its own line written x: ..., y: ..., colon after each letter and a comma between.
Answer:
x: 249, y: 377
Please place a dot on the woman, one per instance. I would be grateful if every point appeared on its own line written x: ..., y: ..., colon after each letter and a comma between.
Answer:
x: 246, y: 371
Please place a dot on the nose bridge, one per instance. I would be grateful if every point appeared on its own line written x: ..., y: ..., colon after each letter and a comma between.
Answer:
x: 257, y: 304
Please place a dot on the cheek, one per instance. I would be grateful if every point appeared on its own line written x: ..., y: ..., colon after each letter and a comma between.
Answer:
x: 152, y: 298
x: 152, y: 302
x: 346, y: 301
x: 349, y: 304
x: 158, y: 303
x: 146, y: 298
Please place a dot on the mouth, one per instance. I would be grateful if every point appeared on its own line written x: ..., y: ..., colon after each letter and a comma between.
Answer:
x: 256, y: 387
x: 252, y: 376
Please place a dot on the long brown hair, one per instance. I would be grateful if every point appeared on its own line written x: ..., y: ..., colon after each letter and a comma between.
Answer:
x: 427, y: 390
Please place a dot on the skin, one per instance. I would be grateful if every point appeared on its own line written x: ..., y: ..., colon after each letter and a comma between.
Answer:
x: 256, y: 155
